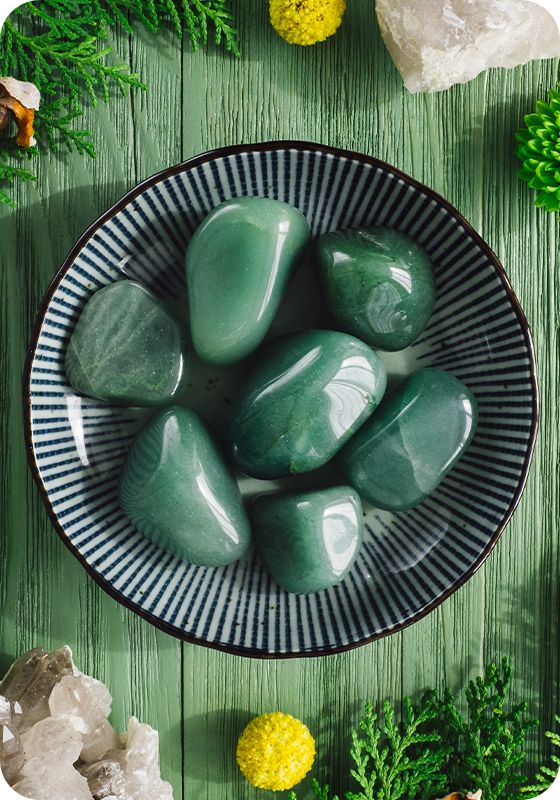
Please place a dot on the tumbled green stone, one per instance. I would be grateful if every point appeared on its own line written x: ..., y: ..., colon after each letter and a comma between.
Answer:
x: 308, y: 541
x: 125, y: 348
x: 178, y: 492
x: 238, y: 264
x: 305, y: 398
x: 378, y: 283
x: 414, y: 439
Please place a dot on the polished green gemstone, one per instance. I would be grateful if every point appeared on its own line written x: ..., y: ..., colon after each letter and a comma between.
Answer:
x: 308, y: 541
x: 178, y: 492
x: 238, y: 264
x: 306, y: 397
x: 414, y: 439
x: 125, y: 348
x: 378, y: 283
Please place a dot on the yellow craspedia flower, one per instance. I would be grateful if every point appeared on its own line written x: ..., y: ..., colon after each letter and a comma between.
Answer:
x: 306, y: 21
x: 275, y: 751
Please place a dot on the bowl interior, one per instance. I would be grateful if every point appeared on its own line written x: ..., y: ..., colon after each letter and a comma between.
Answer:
x: 410, y: 561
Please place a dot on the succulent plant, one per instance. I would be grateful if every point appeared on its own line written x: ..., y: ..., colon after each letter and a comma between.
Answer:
x: 539, y: 151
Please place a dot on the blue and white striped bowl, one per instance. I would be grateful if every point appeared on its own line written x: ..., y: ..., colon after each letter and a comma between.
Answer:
x: 411, y: 561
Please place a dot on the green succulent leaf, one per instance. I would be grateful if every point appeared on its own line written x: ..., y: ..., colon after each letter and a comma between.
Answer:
x: 543, y: 108
x: 532, y: 120
x: 539, y: 151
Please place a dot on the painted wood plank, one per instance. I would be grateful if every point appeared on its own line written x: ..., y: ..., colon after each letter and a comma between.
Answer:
x: 345, y: 93
x: 460, y: 142
x: 46, y: 597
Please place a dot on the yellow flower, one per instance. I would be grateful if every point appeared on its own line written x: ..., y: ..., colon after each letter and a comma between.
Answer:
x: 275, y: 751
x: 306, y: 21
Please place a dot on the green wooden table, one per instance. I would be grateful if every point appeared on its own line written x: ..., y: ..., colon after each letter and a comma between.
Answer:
x: 345, y: 93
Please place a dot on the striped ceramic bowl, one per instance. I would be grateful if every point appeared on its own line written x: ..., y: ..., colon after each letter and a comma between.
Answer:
x: 411, y: 561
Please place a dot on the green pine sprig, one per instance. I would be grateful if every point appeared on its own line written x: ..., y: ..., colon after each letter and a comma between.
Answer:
x: 59, y: 46
x: 55, y: 122
x: 435, y: 749
x: 12, y: 170
x: 393, y: 761
x: 10, y: 173
x: 546, y: 774
x: 488, y: 746
x: 319, y: 792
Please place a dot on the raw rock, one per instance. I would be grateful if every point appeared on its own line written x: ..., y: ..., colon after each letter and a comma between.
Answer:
x: 42, y: 780
x: 5, y: 711
x: 12, y: 758
x: 10, y: 713
x: 142, y: 769
x: 141, y: 753
x: 82, y: 697
x: 130, y: 774
x: 437, y: 43
x: 98, y: 742
x: 30, y: 682
x: 106, y: 778
x: 86, y: 702
x: 56, y: 740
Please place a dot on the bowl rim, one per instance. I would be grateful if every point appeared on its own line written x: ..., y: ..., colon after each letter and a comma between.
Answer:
x: 186, y: 166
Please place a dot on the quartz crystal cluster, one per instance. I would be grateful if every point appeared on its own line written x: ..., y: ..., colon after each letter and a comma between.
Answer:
x: 437, y: 43
x: 56, y: 740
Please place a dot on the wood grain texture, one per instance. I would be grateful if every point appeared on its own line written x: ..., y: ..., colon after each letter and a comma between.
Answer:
x: 347, y: 93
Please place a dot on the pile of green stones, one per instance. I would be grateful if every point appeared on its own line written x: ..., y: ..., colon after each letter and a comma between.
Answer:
x: 310, y: 397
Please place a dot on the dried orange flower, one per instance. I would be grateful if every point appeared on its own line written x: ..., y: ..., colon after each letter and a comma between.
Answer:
x: 22, y: 100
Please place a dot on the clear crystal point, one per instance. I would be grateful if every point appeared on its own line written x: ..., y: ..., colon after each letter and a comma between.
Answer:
x: 12, y: 758
x: 106, y: 778
x: 56, y: 740
x: 40, y: 780
x: 31, y: 679
x: 82, y: 697
x: 53, y: 740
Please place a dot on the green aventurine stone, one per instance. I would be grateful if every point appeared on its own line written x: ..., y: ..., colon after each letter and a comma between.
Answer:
x: 178, y: 492
x: 415, y: 438
x: 238, y: 264
x: 125, y: 348
x: 378, y: 283
x: 308, y: 541
x: 306, y: 397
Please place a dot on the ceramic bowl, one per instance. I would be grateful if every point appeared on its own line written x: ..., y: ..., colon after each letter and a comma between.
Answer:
x: 410, y: 561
